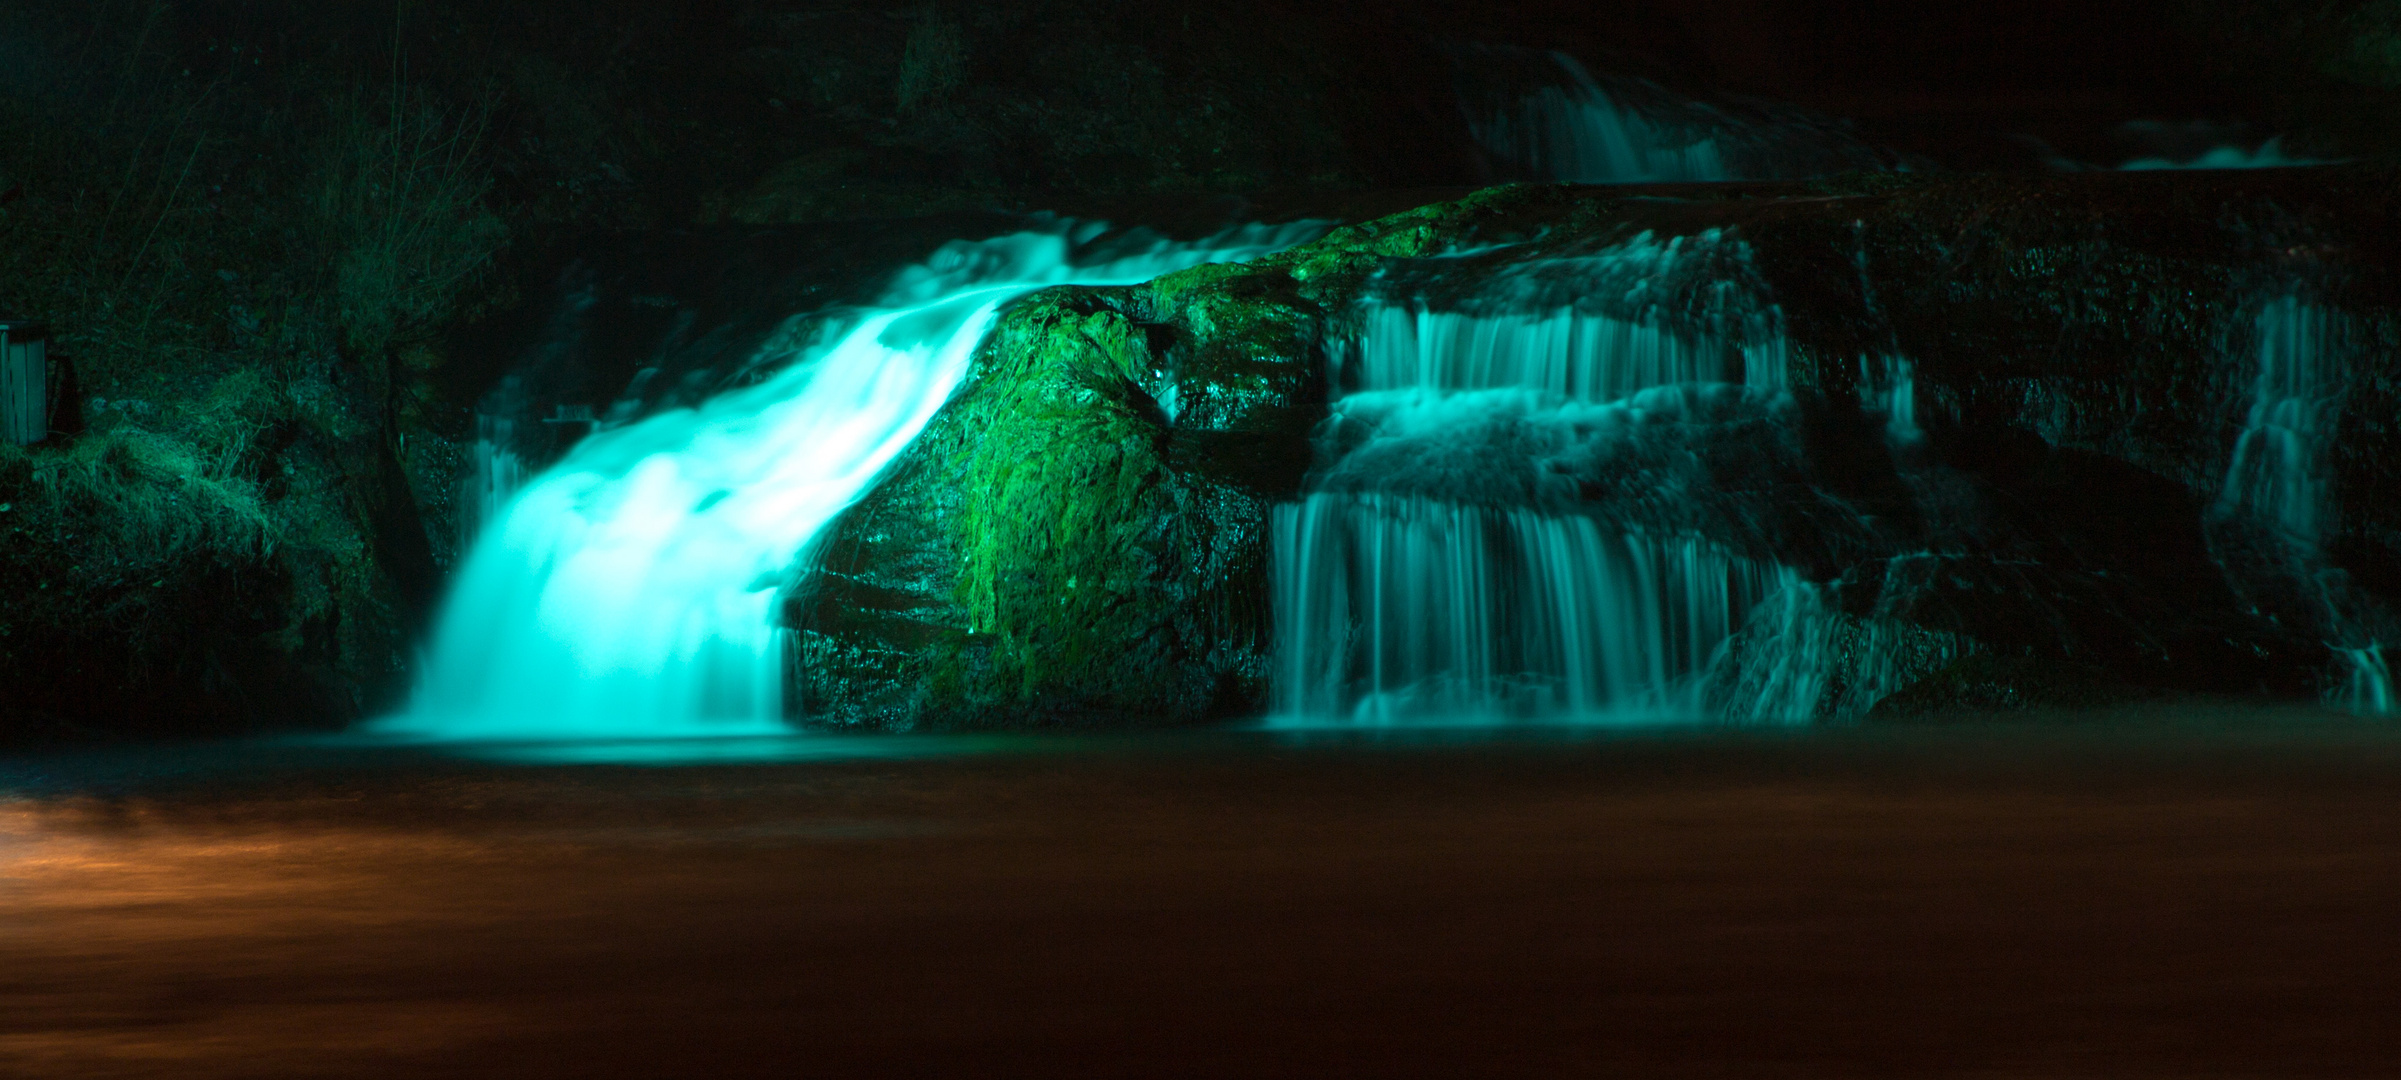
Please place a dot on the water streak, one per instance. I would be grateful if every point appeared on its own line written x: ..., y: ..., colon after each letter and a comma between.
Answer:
x: 497, y: 473
x: 1561, y: 352
x: 1799, y: 658
x: 1888, y: 386
x: 1396, y: 607
x: 1576, y: 131
x: 2277, y: 475
x: 1571, y: 126
x: 629, y: 590
x: 1450, y: 564
x: 2278, y: 481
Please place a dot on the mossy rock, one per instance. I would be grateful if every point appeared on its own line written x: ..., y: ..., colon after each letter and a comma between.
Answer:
x: 1080, y: 539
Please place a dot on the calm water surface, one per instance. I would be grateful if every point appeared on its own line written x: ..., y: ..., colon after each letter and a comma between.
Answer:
x: 2156, y: 894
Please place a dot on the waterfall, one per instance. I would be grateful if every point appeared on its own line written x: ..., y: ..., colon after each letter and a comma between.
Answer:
x: 2276, y: 476
x: 2368, y: 682
x: 1401, y: 606
x: 1445, y: 566
x: 1802, y: 658
x: 2277, y: 481
x: 629, y: 590
x: 1570, y: 126
x: 1888, y: 387
x: 1592, y: 329
x: 1576, y: 131
x: 1560, y: 352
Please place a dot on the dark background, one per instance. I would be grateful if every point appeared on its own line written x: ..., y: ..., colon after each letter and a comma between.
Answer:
x: 276, y: 240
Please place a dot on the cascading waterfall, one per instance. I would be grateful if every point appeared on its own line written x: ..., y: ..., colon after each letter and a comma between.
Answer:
x: 1888, y: 387
x: 1576, y: 131
x: 2277, y: 477
x: 629, y: 590
x: 1398, y: 606
x: 1411, y: 592
x: 1562, y: 352
x: 1559, y: 326
x: 1571, y: 127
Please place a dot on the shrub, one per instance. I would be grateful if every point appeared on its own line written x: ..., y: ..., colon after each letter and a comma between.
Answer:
x: 399, y: 206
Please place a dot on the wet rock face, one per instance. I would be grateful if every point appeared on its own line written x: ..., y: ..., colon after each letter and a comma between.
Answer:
x: 1997, y: 426
x: 1079, y: 539
x: 2083, y: 361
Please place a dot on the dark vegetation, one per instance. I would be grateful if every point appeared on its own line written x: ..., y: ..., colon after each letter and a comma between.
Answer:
x: 264, y: 230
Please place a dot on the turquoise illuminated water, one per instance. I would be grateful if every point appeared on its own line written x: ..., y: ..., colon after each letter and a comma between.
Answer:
x: 628, y: 592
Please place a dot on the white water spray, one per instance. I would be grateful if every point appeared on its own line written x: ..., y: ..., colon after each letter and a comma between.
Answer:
x: 630, y: 590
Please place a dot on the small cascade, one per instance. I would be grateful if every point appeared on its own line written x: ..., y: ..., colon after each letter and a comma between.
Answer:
x: 1800, y: 658
x: 2277, y: 475
x: 1398, y: 606
x: 2368, y: 685
x: 1445, y: 568
x: 498, y: 471
x: 1588, y: 329
x: 2158, y: 145
x: 1888, y: 387
x: 1569, y: 126
x: 1561, y: 352
x: 1575, y: 131
x: 2277, y: 483
x: 628, y: 591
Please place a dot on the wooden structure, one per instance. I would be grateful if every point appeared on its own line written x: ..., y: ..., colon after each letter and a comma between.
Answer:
x: 24, y: 381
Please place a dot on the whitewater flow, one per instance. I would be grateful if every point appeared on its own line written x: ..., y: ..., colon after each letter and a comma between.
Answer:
x: 2277, y: 479
x: 1398, y: 607
x: 630, y: 590
x: 1432, y: 576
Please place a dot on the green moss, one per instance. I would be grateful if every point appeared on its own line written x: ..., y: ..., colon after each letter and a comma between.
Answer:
x: 1080, y: 537
x: 1335, y: 264
x: 1170, y: 292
